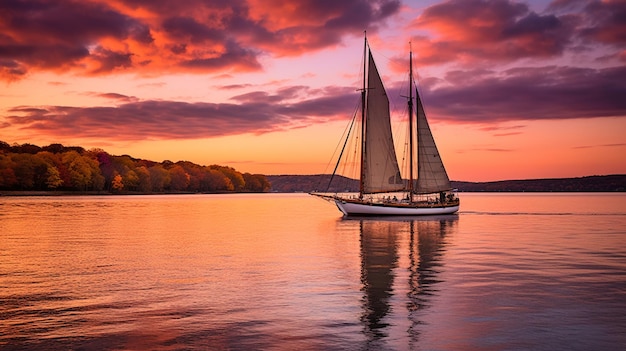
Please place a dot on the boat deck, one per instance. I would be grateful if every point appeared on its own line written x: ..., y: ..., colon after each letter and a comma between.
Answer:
x: 394, y: 202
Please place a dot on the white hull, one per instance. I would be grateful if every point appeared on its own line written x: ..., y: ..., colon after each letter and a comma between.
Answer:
x: 360, y: 209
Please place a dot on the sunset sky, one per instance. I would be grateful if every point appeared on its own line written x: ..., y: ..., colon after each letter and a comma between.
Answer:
x: 513, y: 89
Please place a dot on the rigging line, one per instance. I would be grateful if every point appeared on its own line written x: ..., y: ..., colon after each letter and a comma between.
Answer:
x: 418, y: 88
x: 379, y: 53
x: 353, y: 162
x: 342, y: 150
x: 346, y: 132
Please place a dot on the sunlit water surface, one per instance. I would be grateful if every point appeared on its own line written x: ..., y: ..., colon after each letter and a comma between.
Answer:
x: 286, y: 272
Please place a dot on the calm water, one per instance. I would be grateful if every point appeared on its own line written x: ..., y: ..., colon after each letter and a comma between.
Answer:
x: 286, y: 272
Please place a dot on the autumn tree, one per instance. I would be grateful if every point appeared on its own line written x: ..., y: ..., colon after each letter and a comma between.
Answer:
x: 117, y: 184
x: 144, y: 184
x: 106, y: 166
x: 235, y: 177
x: 256, y: 182
x: 4, y: 147
x: 125, y: 166
x: 84, y: 171
x: 195, y: 173
x: 30, y: 171
x: 25, y: 149
x: 7, y: 173
x: 159, y: 178
x: 217, y: 181
x: 53, y: 178
x: 179, y: 178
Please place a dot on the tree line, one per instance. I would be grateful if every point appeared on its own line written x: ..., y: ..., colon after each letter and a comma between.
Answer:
x: 72, y: 168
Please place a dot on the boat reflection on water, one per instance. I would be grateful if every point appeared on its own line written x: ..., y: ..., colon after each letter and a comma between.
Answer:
x: 393, y: 299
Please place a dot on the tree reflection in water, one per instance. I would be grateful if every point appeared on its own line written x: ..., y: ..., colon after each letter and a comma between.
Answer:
x: 381, y: 239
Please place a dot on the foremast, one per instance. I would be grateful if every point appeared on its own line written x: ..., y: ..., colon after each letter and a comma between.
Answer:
x: 380, y: 172
x: 363, y: 126
x: 411, y: 137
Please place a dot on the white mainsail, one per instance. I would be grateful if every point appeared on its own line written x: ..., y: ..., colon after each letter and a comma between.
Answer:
x: 381, y: 172
x: 431, y: 174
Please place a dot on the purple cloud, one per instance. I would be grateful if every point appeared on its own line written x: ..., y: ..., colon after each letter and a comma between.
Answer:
x: 531, y: 93
x: 152, y: 119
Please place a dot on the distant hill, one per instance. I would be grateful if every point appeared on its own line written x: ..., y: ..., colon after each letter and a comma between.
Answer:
x: 606, y: 183
x: 308, y: 183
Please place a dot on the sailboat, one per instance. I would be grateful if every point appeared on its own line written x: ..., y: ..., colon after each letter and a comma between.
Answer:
x: 382, y: 189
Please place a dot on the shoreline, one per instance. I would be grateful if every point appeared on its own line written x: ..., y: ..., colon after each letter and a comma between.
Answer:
x: 26, y: 193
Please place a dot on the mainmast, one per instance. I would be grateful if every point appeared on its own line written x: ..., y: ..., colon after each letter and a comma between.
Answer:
x: 410, y: 103
x: 363, y: 104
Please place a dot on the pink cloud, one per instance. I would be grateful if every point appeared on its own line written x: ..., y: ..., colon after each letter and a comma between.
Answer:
x: 483, y: 31
x: 96, y: 37
x: 488, y: 30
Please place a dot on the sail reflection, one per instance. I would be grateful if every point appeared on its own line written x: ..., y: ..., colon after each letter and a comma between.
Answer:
x: 392, y: 300
x: 379, y: 258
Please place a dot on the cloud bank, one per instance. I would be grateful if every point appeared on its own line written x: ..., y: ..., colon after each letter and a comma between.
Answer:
x: 96, y: 37
x: 257, y: 113
x: 496, y: 31
x: 474, y: 97
x: 480, y: 41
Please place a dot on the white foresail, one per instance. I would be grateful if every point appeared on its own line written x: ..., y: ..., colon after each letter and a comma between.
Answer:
x: 431, y: 174
x: 381, y: 172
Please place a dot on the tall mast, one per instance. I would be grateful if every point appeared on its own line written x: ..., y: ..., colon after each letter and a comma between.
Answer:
x: 410, y: 103
x: 361, y: 186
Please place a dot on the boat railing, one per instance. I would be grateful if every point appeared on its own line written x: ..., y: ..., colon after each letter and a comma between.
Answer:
x: 447, y: 198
